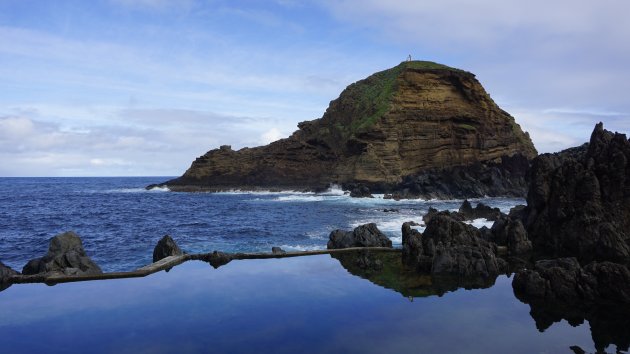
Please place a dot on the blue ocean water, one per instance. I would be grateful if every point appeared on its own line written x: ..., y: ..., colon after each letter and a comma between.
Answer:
x: 120, y: 222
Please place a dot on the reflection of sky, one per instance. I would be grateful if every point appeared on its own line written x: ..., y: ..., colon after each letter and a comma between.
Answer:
x: 307, y: 304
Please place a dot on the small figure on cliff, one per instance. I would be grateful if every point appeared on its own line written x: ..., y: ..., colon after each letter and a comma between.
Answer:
x: 409, y: 57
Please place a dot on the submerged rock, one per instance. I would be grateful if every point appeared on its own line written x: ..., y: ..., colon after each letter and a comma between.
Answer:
x: 367, y: 235
x: 166, y: 247
x: 578, y: 203
x: 450, y: 247
x: 66, y: 256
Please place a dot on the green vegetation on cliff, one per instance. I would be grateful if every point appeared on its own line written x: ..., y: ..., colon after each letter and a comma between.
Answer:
x: 374, y: 94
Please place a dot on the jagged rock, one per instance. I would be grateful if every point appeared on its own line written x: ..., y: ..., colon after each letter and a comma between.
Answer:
x: 427, y: 217
x: 450, y: 247
x: 277, y: 250
x: 360, y: 191
x: 481, y: 211
x: 65, y: 255
x: 564, y: 280
x: 579, y: 200
x: 367, y: 235
x: 418, y: 129
x: 5, y: 276
x: 166, y: 247
x: 511, y: 233
x: 217, y: 258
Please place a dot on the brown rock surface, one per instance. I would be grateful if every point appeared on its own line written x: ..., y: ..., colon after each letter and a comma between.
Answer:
x: 415, y: 117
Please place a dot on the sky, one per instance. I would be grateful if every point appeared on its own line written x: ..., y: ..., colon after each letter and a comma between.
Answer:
x: 143, y: 87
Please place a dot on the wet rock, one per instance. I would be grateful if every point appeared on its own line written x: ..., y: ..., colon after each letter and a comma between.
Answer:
x: 391, y: 210
x: 217, y: 258
x: 278, y: 250
x: 367, y: 235
x: 361, y: 192
x: 66, y: 256
x: 579, y: 200
x: 166, y: 247
x: 5, y: 276
x: 451, y: 247
x: 481, y: 211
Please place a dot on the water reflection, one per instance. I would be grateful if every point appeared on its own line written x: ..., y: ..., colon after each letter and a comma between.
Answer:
x: 609, y: 323
x: 386, y: 269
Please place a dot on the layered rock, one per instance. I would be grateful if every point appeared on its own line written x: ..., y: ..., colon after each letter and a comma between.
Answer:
x: 166, y: 247
x: 450, y: 247
x: 367, y: 235
x: 579, y: 200
x: 66, y: 256
x: 403, y: 129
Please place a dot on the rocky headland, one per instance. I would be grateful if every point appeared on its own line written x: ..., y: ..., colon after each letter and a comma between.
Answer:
x: 417, y: 129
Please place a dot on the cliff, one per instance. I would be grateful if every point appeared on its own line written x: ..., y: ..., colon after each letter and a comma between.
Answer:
x: 414, y: 118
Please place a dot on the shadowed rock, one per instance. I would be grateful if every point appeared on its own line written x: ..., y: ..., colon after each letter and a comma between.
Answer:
x: 166, y: 247
x: 65, y: 255
x: 450, y: 247
x: 579, y: 200
x: 481, y: 211
x: 5, y: 275
x: 277, y: 250
x: 217, y: 258
x: 367, y: 235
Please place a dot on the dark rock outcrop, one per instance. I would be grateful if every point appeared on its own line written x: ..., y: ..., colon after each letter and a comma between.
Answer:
x: 359, y: 191
x: 420, y: 129
x: 367, y: 235
x: 481, y: 211
x: 217, y: 258
x: 510, y: 232
x: 450, y: 247
x: 579, y: 200
x: 564, y: 280
x: 277, y: 250
x: 66, y: 256
x: 166, y: 247
x: 5, y: 276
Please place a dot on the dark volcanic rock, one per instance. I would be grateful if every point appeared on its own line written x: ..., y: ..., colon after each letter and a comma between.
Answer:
x: 66, y: 256
x: 5, y: 276
x: 510, y: 232
x: 360, y: 191
x: 217, y: 258
x: 278, y: 250
x: 450, y: 247
x: 166, y: 247
x: 481, y: 211
x: 367, y: 235
x: 579, y: 200
x: 418, y: 129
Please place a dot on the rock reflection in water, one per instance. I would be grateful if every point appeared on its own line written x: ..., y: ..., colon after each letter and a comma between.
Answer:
x: 386, y: 269
x: 609, y: 323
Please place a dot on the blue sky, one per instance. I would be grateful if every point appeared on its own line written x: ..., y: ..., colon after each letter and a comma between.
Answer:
x: 142, y: 87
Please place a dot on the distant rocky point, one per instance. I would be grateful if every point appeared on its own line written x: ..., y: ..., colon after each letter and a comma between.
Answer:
x: 417, y: 129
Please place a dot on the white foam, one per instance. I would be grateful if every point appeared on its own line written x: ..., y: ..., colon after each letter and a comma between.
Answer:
x: 302, y: 247
x: 479, y: 223
x: 159, y: 189
x: 300, y: 198
x: 264, y: 192
x: 334, y: 189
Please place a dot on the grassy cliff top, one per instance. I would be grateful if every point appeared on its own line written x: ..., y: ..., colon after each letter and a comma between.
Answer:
x: 373, y: 95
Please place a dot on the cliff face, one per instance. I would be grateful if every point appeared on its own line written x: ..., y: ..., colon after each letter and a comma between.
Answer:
x: 415, y: 117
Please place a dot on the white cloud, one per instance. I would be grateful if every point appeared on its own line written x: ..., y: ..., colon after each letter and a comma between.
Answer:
x: 270, y: 136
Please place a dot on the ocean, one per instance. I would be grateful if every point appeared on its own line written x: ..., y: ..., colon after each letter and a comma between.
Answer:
x: 120, y: 222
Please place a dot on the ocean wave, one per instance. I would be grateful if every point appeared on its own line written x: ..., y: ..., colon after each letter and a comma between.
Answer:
x: 302, y: 248
x: 479, y: 223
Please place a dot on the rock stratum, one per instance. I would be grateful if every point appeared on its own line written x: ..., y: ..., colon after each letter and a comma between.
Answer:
x: 393, y: 131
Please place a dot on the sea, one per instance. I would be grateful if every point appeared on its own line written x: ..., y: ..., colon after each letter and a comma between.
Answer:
x: 120, y: 222
x: 310, y: 304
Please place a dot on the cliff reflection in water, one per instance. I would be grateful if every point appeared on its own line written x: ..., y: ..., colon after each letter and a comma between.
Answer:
x: 386, y: 269
x: 609, y: 323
